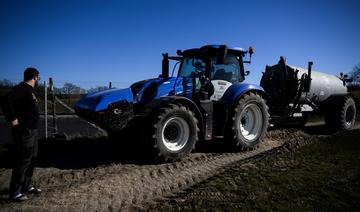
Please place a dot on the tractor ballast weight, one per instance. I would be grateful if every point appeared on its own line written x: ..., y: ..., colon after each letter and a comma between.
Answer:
x: 298, y: 92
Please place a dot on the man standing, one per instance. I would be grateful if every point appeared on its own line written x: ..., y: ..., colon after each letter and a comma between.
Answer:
x: 20, y: 107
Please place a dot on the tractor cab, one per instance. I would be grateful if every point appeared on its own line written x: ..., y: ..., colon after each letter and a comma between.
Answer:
x: 213, y: 69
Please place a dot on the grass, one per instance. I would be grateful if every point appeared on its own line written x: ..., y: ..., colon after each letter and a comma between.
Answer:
x: 322, y: 176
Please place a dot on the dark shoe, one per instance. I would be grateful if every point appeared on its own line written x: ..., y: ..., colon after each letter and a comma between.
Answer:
x: 19, y: 198
x: 34, y: 190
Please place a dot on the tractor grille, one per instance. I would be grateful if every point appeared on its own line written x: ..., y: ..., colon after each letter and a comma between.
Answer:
x: 114, y: 118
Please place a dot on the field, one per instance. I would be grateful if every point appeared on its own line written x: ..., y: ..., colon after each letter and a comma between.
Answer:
x: 294, y: 169
x: 323, y: 176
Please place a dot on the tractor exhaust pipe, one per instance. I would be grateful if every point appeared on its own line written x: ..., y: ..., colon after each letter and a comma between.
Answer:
x: 165, y: 66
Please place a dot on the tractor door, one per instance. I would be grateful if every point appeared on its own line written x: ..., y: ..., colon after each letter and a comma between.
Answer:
x: 224, y: 75
x: 192, y: 69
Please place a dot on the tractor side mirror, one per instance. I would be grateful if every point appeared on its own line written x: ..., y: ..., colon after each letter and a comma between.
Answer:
x: 251, y: 52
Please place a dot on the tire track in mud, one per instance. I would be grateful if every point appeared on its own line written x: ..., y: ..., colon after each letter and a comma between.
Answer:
x: 132, y: 187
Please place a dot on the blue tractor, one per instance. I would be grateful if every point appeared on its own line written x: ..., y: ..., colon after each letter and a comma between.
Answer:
x: 208, y: 98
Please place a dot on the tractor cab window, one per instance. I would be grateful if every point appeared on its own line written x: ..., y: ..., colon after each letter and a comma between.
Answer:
x: 228, y: 71
x: 190, y: 66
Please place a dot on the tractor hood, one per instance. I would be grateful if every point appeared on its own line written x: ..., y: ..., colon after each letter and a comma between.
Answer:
x: 100, y: 100
x: 151, y: 89
x: 140, y: 92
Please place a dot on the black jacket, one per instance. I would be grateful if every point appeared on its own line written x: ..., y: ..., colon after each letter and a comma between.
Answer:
x: 21, y: 103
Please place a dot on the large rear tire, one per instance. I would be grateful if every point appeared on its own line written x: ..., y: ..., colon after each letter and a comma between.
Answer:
x: 342, y: 116
x: 250, y: 121
x: 175, y: 132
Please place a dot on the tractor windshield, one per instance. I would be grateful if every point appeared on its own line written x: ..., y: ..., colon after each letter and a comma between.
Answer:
x: 190, y: 66
x: 228, y: 71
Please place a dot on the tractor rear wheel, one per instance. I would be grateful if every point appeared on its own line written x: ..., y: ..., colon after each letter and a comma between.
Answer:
x: 175, y: 132
x: 250, y: 121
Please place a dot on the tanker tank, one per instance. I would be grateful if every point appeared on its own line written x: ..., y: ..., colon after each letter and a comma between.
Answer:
x: 322, y: 86
x: 288, y: 84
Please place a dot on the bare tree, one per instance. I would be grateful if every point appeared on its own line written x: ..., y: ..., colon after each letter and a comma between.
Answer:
x: 355, y: 74
x: 70, y: 89
x: 99, y: 88
x: 6, y: 83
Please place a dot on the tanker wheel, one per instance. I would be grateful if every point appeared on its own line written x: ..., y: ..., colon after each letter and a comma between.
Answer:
x: 175, y: 132
x: 304, y: 119
x: 344, y: 116
x: 250, y: 121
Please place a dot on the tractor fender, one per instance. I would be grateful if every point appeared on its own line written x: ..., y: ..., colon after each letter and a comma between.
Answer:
x: 234, y: 93
x: 188, y: 103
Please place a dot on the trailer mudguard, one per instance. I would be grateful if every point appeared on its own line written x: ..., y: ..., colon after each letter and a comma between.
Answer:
x: 234, y: 92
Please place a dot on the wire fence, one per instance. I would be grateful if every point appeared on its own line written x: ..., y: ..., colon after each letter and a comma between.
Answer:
x: 61, y: 86
x: 54, y: 101
x: 68, y: 92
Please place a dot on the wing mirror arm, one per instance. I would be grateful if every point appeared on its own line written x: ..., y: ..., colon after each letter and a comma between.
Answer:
x: 251, y: 52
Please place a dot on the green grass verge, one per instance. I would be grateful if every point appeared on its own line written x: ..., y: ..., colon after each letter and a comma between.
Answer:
x: 324, y: 176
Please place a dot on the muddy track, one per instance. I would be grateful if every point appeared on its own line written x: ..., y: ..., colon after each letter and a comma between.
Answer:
x: 127, y: 186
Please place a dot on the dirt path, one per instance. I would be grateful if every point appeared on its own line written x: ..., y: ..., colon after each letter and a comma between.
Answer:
x: 118, y: 186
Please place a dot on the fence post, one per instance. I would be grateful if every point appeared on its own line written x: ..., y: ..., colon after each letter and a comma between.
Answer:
x: 53, y: 101
x: 45, y: 110
x: 110, y: 84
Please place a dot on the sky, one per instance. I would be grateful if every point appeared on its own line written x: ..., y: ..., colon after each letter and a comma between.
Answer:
x: 89, y: 42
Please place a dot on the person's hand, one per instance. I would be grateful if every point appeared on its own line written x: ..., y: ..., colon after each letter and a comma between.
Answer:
x: 14, y: 123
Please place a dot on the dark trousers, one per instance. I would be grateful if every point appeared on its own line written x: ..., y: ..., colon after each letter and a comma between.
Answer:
x: 24, y: 152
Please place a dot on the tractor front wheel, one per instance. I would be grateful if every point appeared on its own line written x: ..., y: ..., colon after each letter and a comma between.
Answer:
x: 175, y: 132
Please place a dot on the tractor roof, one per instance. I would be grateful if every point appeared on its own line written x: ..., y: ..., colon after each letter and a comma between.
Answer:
x: 214, y: 49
